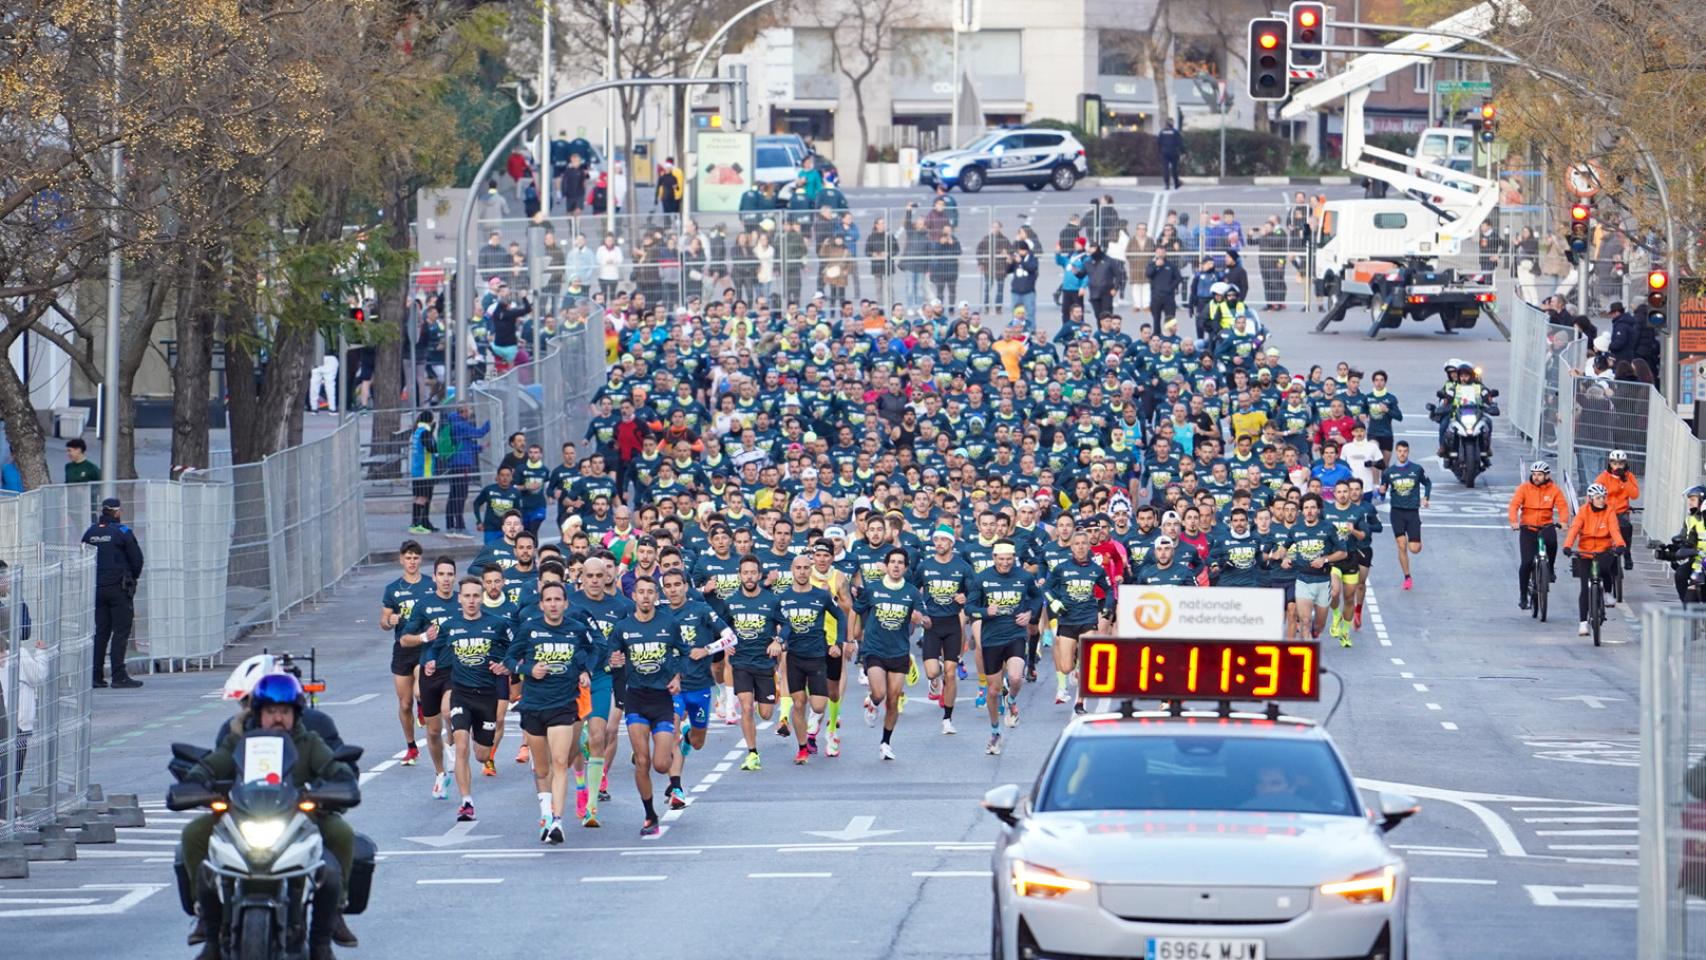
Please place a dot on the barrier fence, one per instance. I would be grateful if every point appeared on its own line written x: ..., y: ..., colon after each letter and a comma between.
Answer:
x: 47, y: 595
x: 1672, y: 818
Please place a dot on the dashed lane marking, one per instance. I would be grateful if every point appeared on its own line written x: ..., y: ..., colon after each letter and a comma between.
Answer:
x: 453, y: 881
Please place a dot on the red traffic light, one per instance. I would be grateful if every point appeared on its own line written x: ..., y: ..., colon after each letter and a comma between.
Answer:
x: 357, y: 314
x: 1268, y: 41
x: 1307, y: 18
x: 1580, y: 212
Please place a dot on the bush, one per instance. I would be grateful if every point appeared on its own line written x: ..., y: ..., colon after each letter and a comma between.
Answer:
x: 1130, y: 154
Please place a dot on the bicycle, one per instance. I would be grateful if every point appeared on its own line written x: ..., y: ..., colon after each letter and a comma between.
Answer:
x: 1596, y: 593
x: 1540, y: 579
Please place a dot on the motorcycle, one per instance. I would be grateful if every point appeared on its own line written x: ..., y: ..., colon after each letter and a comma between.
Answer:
x: 1680, y: 553
x: 266, y: 853
x: 1468, y: 439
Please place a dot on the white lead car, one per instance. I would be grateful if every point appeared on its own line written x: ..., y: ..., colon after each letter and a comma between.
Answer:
x: 1196, y: 835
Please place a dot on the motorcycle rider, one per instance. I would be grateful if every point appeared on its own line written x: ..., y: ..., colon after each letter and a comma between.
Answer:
x: 1537, y: 508
x: 1620, y: 488
x: 276, y: 703
x: 1692, y: 536
x: 1594, y: 531
x: 1463, y: 388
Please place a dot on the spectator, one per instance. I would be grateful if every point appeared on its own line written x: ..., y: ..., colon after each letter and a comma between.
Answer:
x: 458, y: 448
x: 1022, y: 268
x: 669, y: 188
x: 1100, y: 279
x: 1625, y: 333
x: 608, y: 258
x: 574, y: 185
x: 423, y: 447
x: 78, y: 467
x: 992, y: 261
x: 22, y: 673
x: 1164, y: 279
x: 945, y: 265
x: 835, y: 266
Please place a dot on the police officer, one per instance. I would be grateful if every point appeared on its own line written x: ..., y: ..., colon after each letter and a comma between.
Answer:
x: 118, y: 564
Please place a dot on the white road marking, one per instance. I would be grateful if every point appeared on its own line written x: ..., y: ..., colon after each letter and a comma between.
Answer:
x: 1587, y: 808
x: 788, y: 876
x: 59, y: 901
x: 139, y: 841
x: 1548, y: 896
x: 1592, y: 846
x: 1467, y: 881
x: 1448, y: 725
x: 722, y: 767
x: 950, y: 873
x: 502, y: 856
x: 838, y: 848
x: 1406, y: 675
x: 126, y: 831
x: 1420, y: 687
x: 1587, y: 833
x: 640, y: 878
x: 1397, y: 662
x: 1434, y: 706
x: 711, y: 778
x: 451, y: 881
x: 685, y: 852
x: 1578, y: 819
x: 735, y: 754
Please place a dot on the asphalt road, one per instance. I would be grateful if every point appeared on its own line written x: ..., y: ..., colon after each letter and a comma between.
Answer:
x: 1520, y: 740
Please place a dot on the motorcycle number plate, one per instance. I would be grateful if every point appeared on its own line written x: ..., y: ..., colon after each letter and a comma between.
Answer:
x: 263, y: 759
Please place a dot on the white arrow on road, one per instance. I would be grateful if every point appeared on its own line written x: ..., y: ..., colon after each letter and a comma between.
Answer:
x: 130, y: 894
x: 1596, y: 703
x: 461, y: 833
x: 858, y: 828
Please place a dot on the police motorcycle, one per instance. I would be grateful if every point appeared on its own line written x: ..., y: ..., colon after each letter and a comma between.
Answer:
x: 1466, y: 426
x: 1682, y: 551
x: 266, y: 851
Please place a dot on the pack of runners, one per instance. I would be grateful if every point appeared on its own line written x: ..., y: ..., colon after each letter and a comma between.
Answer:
x: 776, y: 512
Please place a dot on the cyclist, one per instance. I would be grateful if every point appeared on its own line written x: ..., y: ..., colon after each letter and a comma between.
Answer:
x: 1620, y: 488
x: 1593, y: 532
x: 1537, y: 508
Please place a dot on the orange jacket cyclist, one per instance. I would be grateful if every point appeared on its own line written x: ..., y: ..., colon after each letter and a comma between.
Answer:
x: 1594, y: 532
x: 1620, y: 488
x: 1535, y: 507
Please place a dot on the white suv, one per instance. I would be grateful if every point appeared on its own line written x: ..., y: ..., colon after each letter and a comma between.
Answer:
x: 1035, y: 158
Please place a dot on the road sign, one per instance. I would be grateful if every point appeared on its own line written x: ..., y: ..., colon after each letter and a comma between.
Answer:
x: 1473, y: 88
x: 1201, y: 613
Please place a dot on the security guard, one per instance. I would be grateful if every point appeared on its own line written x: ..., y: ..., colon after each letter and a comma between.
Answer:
x: 118, y: 565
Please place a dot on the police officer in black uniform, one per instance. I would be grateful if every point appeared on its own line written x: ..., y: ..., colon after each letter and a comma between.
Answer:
x: 118, y: 564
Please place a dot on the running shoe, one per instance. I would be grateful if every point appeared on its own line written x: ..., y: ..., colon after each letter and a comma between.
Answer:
x: 801, y: 756
x: 1078, y: 708
x: 782, y: 728
x: 465, y: 813
x: 410, y: 756
x: 864, y: 681
x: 833, y: 748
x: 554, y: 833
x: 751, y: 762
x: 580, y: 802
x: 885, y: 751
x: 603, y: 796
x: 811, y: 743
x: 419, y: 530
x: 544, y: 828
x: 936, y: 690
x: 1012, y: 712
x: 1059, y: 694
x: 649, y: 829
x: 604, y: 788
x: 948, y: 727
x: 960, y: 669
x: 732, y: 717
x: 1407, y: 583
x: 521, y: 755
x: 1356, y: 618
x: 489, y: 768
x: 590, y: 821
x: 677, y: 798
x: 870, y: 713
x: 982, y: 698
x: 1031, y: 673
x: 993, y: 748
x: 900, y: 704
x: 912, y: 671
x: 441, y: 787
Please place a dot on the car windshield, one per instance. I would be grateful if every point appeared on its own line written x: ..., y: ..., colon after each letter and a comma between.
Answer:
x: 1198, y: 773
x: 774, y: 157
x: 984, y: 142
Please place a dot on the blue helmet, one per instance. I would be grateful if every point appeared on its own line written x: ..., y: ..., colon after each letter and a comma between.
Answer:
x: 277, y: 688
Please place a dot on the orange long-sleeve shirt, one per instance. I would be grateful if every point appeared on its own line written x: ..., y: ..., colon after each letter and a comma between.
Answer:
x: 1594, y: 531
x: 1534, y: 506
x: 1619, y: 490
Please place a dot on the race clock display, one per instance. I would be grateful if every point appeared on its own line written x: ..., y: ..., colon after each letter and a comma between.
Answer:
x: 1201, y: 669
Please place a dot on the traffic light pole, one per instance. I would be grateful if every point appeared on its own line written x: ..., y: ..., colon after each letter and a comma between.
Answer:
x: 1668, y: 377
x: 466, y: 277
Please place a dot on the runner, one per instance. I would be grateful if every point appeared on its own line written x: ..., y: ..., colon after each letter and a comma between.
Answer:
x: 703, y: 634
x: 556, y: 658
x: 597, y: 610
x: 475, y: 644
x: 396, y: 606
x: 755, y: 614
x: 1407, y: 488
x: 806, y: 610
x: 494, y: 599
x: 944, y: 577
x: 839, y: 633
x: 1002, y: 601
x: 889, y: 609
x: 1345, y: 514
x: 420, y: 635
x: 1080, y: 597
x: 647, y: 648
x: 1311, y: 547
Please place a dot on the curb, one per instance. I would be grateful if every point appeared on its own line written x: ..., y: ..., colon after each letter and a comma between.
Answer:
x: 1323, y: 181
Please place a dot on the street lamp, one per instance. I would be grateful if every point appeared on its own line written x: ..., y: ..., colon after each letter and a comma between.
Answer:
x: 687, y: 165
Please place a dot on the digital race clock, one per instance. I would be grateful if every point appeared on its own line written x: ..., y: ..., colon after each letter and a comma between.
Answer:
x: 1200, y: 669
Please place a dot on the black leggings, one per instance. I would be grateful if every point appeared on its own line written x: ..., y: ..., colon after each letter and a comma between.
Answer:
x: 1607, y: 577
x: 1527, y: 542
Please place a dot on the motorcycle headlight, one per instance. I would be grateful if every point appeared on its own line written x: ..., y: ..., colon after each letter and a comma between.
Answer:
x: 261, y: 834
x: 1468, y: 419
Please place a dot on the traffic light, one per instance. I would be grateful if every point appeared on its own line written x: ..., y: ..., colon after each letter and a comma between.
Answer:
x: 1580, y: 214
x: 1658, y: 285
x: 1489, y: 122
x: 1269, y: 78
x: 1308, y: 25
x: 357, y: 315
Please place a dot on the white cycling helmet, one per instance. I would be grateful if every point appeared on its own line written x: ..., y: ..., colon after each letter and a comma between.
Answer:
x: 242, y: 679
x: 1219, y: 287
x: 1595, y: 490
x: 1618, y: 456
x: 1541, y: 466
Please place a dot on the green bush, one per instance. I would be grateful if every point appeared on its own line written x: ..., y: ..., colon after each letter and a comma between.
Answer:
x: 1128, y: 154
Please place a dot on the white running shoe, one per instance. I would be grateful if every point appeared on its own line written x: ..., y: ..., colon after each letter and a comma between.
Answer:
x: 993, y: 748
x: 441, y: 787
x: 864, y: 681
x: 885, y: 751
x: 1582, y: 630
x: 870, y: 713
x: 1059, y: 694
x: 948, y: 727
x: 1012, y: 712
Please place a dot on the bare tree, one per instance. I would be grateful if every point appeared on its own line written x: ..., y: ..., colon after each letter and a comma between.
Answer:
x: 862, y: 36
x: 1158, y: 58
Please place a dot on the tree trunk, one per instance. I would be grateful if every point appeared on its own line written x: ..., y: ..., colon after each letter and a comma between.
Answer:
x: 197, y: 301
x: 864, y: 135
x: 393, y: 318
x: 23, y: 427
x: 136, y: 336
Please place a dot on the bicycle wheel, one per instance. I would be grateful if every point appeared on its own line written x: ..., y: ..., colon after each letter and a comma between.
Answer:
x: 1596, y: 606
x: 1542, y: 585
x: 1617, y: 584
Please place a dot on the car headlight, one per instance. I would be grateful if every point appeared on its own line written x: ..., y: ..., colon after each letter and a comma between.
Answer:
x: 1374, y: 886
x: 1030, y: 880
x: 261, y: 834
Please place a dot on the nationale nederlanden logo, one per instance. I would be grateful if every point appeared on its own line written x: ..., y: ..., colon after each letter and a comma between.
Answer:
x: 1152, y: 611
